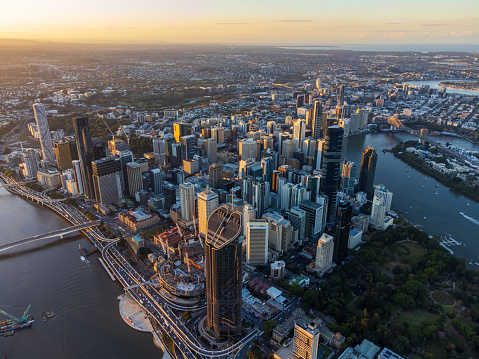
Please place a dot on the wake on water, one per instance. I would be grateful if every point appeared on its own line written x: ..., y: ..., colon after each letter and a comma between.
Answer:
x: 475, y: 221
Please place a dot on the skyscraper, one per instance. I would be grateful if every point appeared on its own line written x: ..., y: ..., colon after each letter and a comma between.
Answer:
x: 268, y: 167
x: 248, y: 148
x: 211, y: 150
x: 342, y: 93
x: 156, y: 181
x: 126, y: 157
x: 317, y: 115
x: 367, y: 171
x: 65, y: 152
x: 208, y: 201
x: 135, y: 181
x: 343, y: 227
x: 348, y: 178
x: 188, y: 147
x: 85, y: 154
x: 223, y: 252
x: 331, y: 168
x: 380, y: 191
x: 299, y: 130
x: 324, y: 252
x: 78, y: 175
x: 30, y: 160
x: 314, y: 218
x: 107, y: 180
x: 216, y: 175
x: 257, y: 242
x: 46, y: 143
x: 378, y: 212
x: 187, y: 201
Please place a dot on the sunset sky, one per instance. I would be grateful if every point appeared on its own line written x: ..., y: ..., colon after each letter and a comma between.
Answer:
x: 243, y: 21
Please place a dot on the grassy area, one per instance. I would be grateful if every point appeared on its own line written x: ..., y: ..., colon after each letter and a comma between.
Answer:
x: 405, y: 253
x: 448, y: 310
x: 327, y: 351
x: 443, y: 298
x: 416, y: 318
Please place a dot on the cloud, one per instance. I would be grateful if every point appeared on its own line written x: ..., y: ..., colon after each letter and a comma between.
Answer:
x: 457, y: 34
x: 232, y: 23
x: 292, y: 20
x: 435, y: 24
x: 394, y: 23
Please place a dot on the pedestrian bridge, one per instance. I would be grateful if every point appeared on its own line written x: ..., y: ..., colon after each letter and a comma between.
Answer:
x: 57, y: 233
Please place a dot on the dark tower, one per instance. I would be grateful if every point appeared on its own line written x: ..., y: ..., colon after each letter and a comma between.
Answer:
x: 223, y: 272
x: 317, y: 115
x: 343, y: 227
x: 331, y: 168
x: 85, y: 154
x: 342, y: 90
x: 367, y: 171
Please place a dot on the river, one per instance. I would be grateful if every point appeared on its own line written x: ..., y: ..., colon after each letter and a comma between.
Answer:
x: 435, y: 84
x: 415, y: 194
x: 51, y: 276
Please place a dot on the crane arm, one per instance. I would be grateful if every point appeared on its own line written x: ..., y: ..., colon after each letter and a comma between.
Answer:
x: 9, y: 315
x: 25, y: 313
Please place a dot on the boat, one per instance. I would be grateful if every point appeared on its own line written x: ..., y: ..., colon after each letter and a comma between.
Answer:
x: 436, y: 193
x: 436, y: 185
x: 462, y: 214
x: 9, y: 333
x: 468, y: 204
x: 15, y: 325
x: 44, y: 316
x: 83, y: 259
x: 425, y: 218
x: 50, y: 314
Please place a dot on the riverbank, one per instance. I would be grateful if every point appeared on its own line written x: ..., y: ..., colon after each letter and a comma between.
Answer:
x: 454, y: 184
x: 460, y: 85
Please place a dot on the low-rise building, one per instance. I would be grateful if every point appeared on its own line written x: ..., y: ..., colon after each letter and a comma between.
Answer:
x: 138, y: 219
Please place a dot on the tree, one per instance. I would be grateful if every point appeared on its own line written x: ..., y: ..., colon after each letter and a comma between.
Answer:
x: 295, y: 290
x: 430, y: 331
x: 186, y: 315
x: 404, y: 300
x: 267, y: 327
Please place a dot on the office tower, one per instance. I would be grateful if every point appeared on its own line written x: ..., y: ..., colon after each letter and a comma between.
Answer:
x: 159, y: 150
x: 367, y: 171
x: 170, y: 195
x: 187, y: 201
x: 78, y: 175
x: 256, y: 193
x: 177, y: 176
x: 287, y: 149
x: 85, y: 154
x: 299, y: 131
x: 280, y: 233
x: 298, y: 194
x: 285, y: 195
x: 181, y: 129
x: 274, y: 185
x: 188, y: 147
x: 135, y: 182
x: 317, y: 115
x: 257, y: 242
x: 30, y: 160
x: 218, y: 133
x: 268, y: 167
x: 363, y: 115
x: 99, y: 148
x: 211, y: 150
x: 156, y: 181
x: 378, y: 212
x: 306, y: 340
x: 107, y: 180
x: 248, y: 148
x: 216, y: 175
x: 342, y: 91
x: 348, y: 178
x: 318, y: 154
x: 273, y: 154
x: 48, y: 154
x: 314, y: 186
x: 208, y: 201
x: 271, y: 125
x: 125, y: 158
x: 268, y: 142
x: 380, y: 191
x: 297, y: 217
x: 299, y: 101
x: 318, y: 83
x: 345, y: 125
x: 343, y: 227
x: 65, y: 152
x: 331, y: 168
x: 248, y: 214
x: 324, y: 252
x: 223, y: 252
x: 314, y: 218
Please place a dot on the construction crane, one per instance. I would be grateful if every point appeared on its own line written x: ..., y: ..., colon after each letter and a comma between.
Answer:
x: 22, y: 319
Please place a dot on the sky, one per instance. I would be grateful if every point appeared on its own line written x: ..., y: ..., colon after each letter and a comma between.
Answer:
x: 293, y: 22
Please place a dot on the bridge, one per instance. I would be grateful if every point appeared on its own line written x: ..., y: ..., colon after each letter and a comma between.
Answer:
x: 57, y: 233
x: 424, y: 135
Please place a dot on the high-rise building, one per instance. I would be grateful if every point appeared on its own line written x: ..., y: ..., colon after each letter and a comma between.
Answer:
x: 181, y: 129
x: 378, y: 212
x: 126, y: 157
x: 297, y: 217
x: 380, y: 191
x: 187, y: 201
x: 257, y: 242
x: 268, y: 167
x: 170, y: 195
x: 256, y: 193
x: 367, y: 171
x: 30, y: 161
x: 280, y: 235
x: 85, y: 154
x: 46, y: 143
x: 324, y: 252
x: 317, y: 115
x: 107, y: 180
x: 208, y: 201
x: 135, y: 180
x: 223, y: 252
x: 78, y: 175
x: 306, y: 340
x: 216, y: 175
x: 248, y: 214
x: 343, y: 227
x: 299, y: 131
x: 342, y: 93
x: 248, y: 148
x: 314, y: 218
x: 156, y: 181
x: 211, y: 150
x: 218, y: 133
x: 348, y: 178
x: 331, y: 168
x: 65, y: 152
x: 188, y: 147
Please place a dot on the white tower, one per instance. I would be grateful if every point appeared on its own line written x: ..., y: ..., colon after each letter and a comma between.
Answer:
x: 208, y: 201
x: 44, y: 133
x: 187, y: 200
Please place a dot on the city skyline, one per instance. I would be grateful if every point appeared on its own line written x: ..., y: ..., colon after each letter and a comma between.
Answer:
x: 248, y: 22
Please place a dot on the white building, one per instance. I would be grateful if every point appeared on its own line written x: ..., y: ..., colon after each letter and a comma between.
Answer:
x: 257, y: 242
x: 208, y: 201
x: 324, y: 252
x: 187, y: 201
x: 44, y: 133
x: 380, y: 191
x: 248, y: 148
